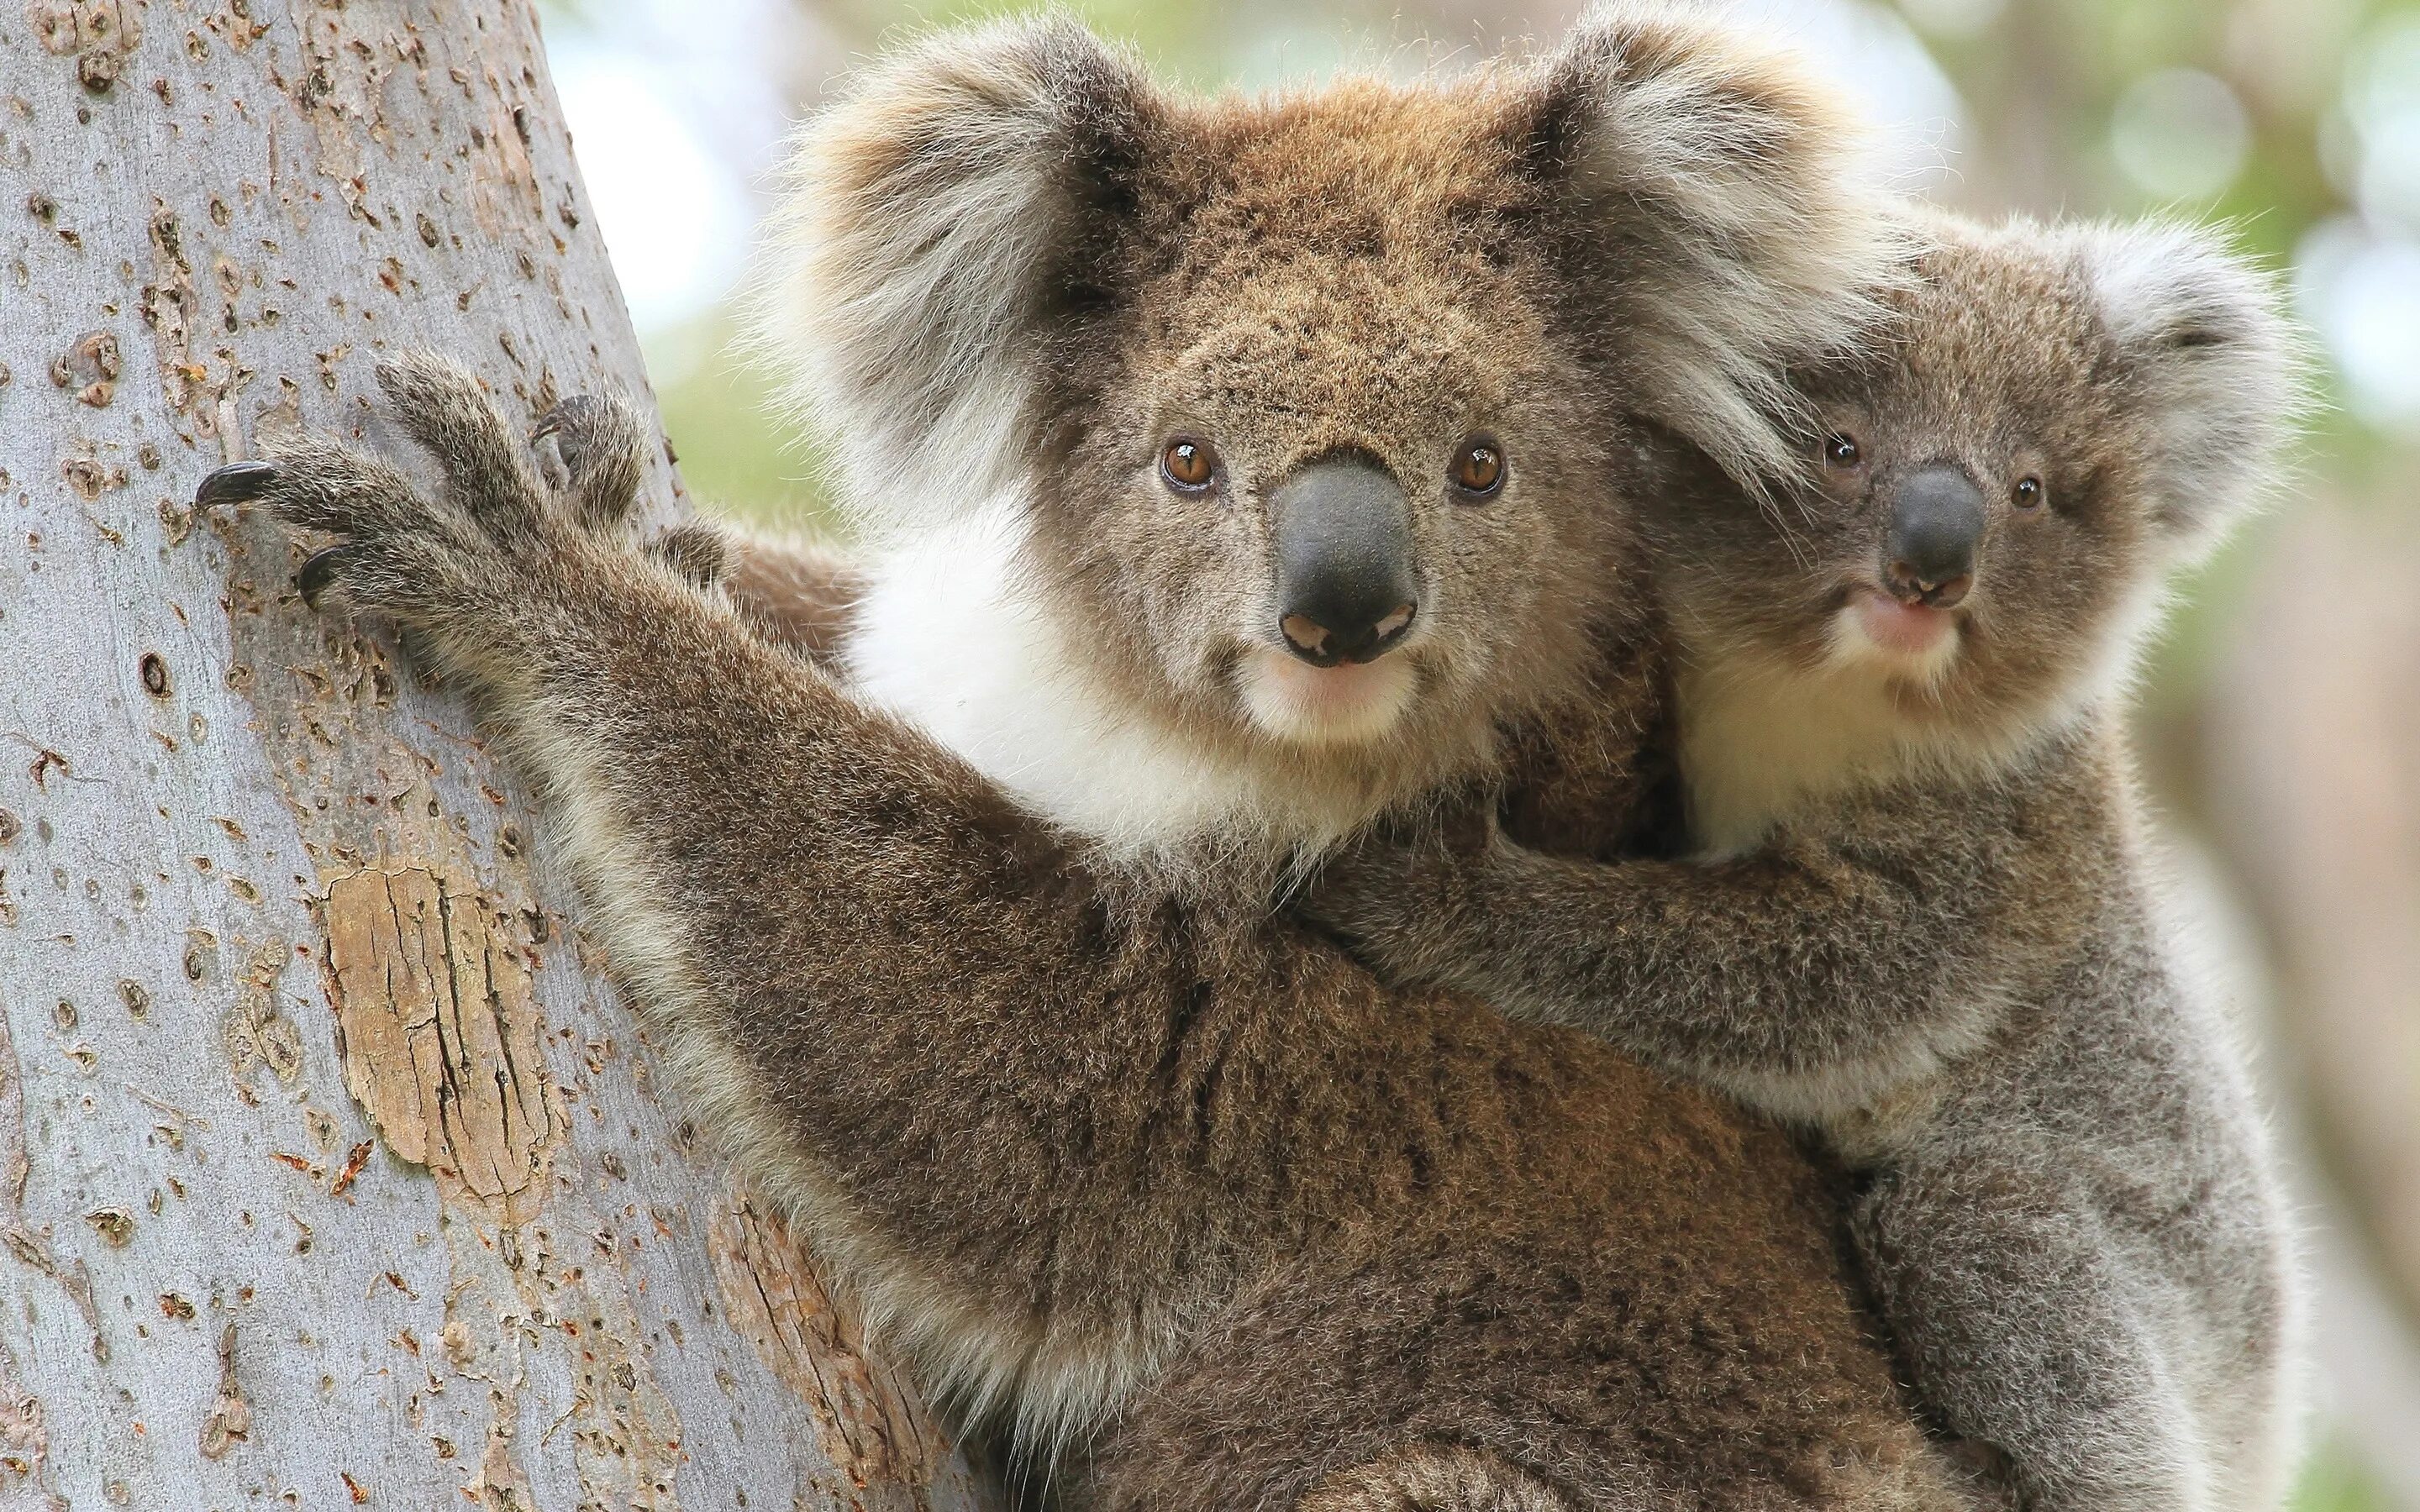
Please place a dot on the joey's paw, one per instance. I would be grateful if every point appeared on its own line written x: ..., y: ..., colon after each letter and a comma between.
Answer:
x: 1385, y: 884
x: 695, y: 551
x: 594, y: 449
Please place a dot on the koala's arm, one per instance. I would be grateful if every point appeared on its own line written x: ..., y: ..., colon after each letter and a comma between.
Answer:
x: 1854, y: 952
x: 1031, y: 1113
x: 795, y: 590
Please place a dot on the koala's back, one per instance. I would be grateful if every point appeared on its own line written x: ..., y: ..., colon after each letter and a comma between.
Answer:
x: 1662, y: 1292
x: 2116, y: 1079
x: 2123, y: 1077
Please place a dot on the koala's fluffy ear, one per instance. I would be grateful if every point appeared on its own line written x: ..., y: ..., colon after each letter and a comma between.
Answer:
x: 1717, y: 217
x: 936, y: 220
x: 2204, y: 351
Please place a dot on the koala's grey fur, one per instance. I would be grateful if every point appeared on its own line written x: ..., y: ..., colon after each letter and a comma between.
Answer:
x: 1922, y: 918
x: 1098, y: 1138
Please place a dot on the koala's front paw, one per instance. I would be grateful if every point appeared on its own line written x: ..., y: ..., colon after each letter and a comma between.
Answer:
x: 600, y: 448
x: 489, y: 539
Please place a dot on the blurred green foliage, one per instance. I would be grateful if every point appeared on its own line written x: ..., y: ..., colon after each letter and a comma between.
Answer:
x: 737, y: 456
x: 2334, y: 1481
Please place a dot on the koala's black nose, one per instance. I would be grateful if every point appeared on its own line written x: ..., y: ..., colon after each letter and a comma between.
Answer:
x: 1346, y: 591
x: 1936, y: 525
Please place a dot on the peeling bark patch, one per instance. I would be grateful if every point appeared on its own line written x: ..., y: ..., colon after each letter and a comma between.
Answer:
x: 90, y: 476
x: 168, y: 305
x: 441, y: 1037
x: 89, y: 368
x: 230, y: 1419
x: 25, y: 1432
x: 30, y: 1247
x: 256, y: 1034
x: 13, y: 1167
x: 86, y: 27
x: 870, y: 1424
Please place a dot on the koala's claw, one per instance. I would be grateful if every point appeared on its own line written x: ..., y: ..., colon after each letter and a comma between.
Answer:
x: 602, y: 449
x: 237, y: 483
x: 318, y: 570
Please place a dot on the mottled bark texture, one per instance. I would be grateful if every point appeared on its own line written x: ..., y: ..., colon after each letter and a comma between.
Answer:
x: 330, y: 1167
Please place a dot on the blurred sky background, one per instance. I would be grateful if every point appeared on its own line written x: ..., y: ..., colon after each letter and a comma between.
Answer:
x: 2280, y: 717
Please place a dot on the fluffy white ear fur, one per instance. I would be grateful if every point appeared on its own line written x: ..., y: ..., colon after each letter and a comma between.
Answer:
x: 2204, y: 343
x: 904, y: 294
x: 925, y: 216
x: 1741, y: 217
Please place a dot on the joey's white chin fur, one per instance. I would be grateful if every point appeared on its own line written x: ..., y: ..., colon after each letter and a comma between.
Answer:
x: 1292, y: 701
x: 1857, y: 641
x: 1762, y: 736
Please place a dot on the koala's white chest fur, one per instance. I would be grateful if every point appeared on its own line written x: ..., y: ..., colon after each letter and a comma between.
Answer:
x: 947, y: 640
x: 1760, y: 742
x: 1763, y: 739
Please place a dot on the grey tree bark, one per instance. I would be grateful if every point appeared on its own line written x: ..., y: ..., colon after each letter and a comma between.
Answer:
x: 330, y: 1168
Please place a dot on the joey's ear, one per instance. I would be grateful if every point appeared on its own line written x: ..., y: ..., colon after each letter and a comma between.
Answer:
x: 938, y: 220
x: 1716, y: 217
x: 2205, y: 354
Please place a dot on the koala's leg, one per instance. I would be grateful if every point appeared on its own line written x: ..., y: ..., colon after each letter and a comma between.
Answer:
x: 1854, y: 953
x: 2027, y: 1330
x: 1435, y: 1479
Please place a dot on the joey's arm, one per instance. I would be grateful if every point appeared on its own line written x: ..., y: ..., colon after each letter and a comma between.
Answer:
x: 1853, y: 953
x: 803, y: 593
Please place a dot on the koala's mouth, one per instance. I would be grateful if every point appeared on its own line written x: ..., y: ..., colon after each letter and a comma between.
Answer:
x: 1908, y: 638
x: 1349, y: 703
x: 1907, y: 629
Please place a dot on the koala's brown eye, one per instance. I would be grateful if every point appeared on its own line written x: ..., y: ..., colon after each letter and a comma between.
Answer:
x: 1480, y: 468
x: 2029, y: 493
x: 1188, y: 465
x: 1841, y: 449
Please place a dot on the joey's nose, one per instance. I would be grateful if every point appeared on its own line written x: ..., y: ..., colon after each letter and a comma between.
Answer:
x: 1346, y: 589
x: 1936, y: 526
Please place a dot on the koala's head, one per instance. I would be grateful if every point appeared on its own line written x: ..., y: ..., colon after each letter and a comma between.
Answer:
x: 1315, y: 406
x: 1993, y: 499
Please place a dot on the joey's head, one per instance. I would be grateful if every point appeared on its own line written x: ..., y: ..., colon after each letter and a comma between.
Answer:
x: 1996, y: 494
x: 1311, y: 410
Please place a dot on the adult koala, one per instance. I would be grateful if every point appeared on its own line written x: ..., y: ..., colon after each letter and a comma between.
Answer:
x: 1243, y: 467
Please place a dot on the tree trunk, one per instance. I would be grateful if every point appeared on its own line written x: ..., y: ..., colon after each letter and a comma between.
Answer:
x: 330, y: 1167
x: 2314, y: 773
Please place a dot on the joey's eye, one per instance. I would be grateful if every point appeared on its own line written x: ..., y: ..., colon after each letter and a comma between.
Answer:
x: 1479, y: 468
x: 1841, y: 449
x: 2029, y: 494
x: 1188, y: 465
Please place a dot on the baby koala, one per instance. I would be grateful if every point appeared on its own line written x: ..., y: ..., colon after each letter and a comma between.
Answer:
x: 1920, y: 912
